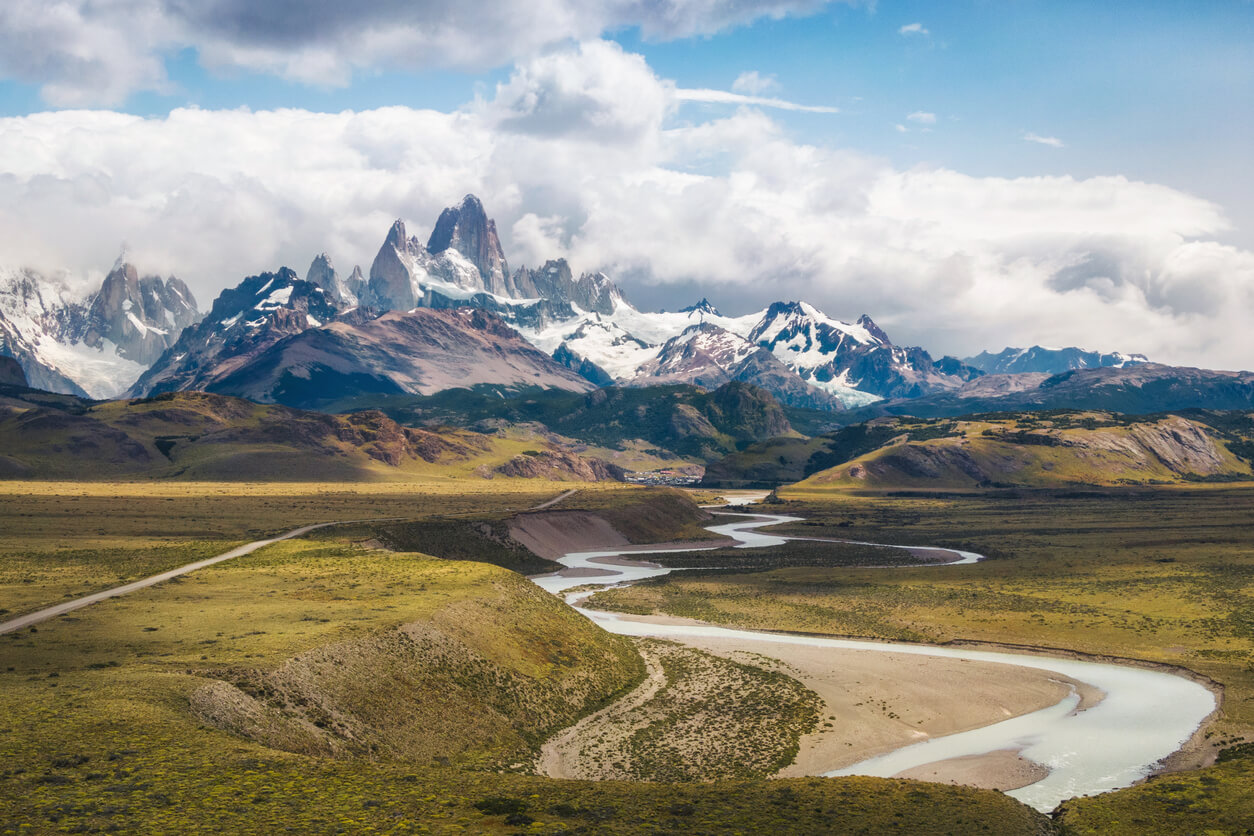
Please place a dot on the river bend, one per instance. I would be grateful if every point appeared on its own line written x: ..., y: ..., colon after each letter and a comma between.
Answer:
x: 1144, y: 716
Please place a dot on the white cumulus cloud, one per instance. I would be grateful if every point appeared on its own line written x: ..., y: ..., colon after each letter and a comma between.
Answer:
x: 585, y: 153
x: 913, y: 29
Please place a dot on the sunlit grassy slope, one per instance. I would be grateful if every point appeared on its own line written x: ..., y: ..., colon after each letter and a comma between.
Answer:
x: 64, y: 539
x: 1041, y: 451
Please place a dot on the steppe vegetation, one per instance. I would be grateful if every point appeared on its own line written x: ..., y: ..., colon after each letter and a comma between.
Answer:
x: 321, y: 686
x: 63, y: 539
x: 698, y: 717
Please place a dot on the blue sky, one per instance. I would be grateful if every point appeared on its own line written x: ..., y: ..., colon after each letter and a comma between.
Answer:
x: 1008, y: 119
x: 1153, y: 90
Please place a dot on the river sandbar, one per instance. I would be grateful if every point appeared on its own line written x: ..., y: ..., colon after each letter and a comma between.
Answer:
x: 881, y: 701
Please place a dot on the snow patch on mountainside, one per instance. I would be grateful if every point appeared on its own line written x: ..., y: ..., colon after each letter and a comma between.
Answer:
x: 102, y: 373
x: 843, y: 388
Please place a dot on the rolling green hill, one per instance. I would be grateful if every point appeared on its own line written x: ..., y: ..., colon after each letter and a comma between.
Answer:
x: 1023, y: 449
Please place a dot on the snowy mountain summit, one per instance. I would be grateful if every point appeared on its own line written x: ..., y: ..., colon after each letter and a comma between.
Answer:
x: 93, y: 343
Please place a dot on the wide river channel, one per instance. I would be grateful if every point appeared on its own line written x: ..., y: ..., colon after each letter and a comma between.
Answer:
x: 1143, y: 717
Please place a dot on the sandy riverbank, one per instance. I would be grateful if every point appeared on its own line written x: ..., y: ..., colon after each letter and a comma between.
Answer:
x: 878, y: 701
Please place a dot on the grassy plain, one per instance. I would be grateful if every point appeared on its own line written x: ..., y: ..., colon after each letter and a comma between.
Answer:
x: 1163, y: 575
x: 64, y: 539
x: 319, y: 687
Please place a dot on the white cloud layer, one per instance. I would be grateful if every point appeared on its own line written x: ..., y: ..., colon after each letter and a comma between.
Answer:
x: 584, y: 153
x: 913, y: 29
x: 99, y: 51
x: 725, y: 97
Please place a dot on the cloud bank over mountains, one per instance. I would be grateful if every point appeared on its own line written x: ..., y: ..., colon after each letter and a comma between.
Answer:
x: 585, y: 152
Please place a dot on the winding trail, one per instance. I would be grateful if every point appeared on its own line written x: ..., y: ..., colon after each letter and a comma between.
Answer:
x: 1143, y: 717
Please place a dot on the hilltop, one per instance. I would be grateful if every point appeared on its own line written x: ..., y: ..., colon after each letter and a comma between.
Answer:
x: 200, y: 436
x: 1005, y: 449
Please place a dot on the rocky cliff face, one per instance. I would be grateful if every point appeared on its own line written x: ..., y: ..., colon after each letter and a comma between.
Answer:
x: 92, y: 343
x: 141, y: 316
x: 421, y: 351
x: 11, y: 373
x: 592, y: 292
x: 561, y: 466
x: 243, y: 322
x: 468, y: 230
x: 344, y: 292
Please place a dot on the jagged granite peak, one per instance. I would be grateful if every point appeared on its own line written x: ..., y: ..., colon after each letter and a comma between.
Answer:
x: 141, y: 316
x: 703, y: 307
x: 323, y: 274
x: 468, y: 230
x: 243, y: 322
x: 1039, y: 359
x: 392, y: 284
x: 396, y: 236
x: 595, y: 292
x: 356, y: 283
x: 592, y: 292
x: 90, y: 343
x: 865, y: 322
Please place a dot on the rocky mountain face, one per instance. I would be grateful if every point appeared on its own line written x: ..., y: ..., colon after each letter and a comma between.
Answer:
x: 558, y: 465
x: 1139, y: 389
x: 141, y: 316
x: 344, y: 292
x: 592, y: 292
x: 1049, y: 360
x: 11, y: 373
x: 243, y: 322
x: 422, y: 351
x: 96, y: 343
x: 467, y: 230
x: 708, y: 356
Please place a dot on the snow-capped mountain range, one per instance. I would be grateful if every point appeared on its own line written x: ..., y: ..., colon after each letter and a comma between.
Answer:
x: 1049, y: 360
x: 144, y: 336
x: 93, y: 344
